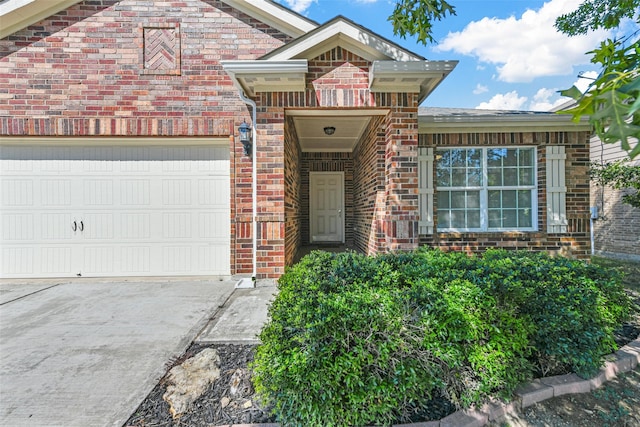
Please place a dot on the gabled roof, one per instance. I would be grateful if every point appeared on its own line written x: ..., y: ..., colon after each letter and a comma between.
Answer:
x: 393, y: 68
x: 345, y: 33
x: 18, y: 14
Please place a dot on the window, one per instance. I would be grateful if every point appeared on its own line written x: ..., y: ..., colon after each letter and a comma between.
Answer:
x: 486, y: 189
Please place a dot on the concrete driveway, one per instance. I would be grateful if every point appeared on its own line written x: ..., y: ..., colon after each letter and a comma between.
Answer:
x: 87, y: 352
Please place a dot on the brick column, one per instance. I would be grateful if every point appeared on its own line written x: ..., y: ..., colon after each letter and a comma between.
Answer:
x: 400, y: 223
x: 270, y: 191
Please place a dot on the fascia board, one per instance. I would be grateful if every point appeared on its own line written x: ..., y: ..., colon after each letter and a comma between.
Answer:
x: 453, y: 124
x: 375, y: 47
x: 276, y: 16
x: 17, y: 15
x: 265, y: 67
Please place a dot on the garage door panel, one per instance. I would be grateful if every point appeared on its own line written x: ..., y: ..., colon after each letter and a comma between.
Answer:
x: 17, y: 192
x: 176, y: 192
x: 98, y: 260
x: 134, y: 226
x: 213, y: 225
x: 98, y: 192
x: 55, y: 192
x: 17, y: 227
x: 177, y: 259
x: 176, y: 225
x: 137, y: 210
x: 17, y: 261
x: 135, y: 192
x: 136, y: 260
x: 57, y: 226
x: 213, y: 191
x: 97, y: 226
x: 57, y: 260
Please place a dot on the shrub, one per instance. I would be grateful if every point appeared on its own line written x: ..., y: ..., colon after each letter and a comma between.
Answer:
x: 356, y: 340
x: 574, y: 307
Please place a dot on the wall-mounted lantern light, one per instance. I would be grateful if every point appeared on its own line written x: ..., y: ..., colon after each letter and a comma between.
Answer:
x: 245, y: 137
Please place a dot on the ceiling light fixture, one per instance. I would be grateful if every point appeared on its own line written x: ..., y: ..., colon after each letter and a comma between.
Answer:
x: 329, y: 130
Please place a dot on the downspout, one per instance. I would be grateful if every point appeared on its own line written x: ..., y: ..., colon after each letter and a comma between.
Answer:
x: 251, y: 283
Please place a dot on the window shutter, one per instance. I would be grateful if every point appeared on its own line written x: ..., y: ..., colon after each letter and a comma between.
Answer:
x: 556, y: 190
x: 425, y: 199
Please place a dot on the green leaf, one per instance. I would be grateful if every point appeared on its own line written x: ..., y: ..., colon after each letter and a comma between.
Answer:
x: 572, y: 92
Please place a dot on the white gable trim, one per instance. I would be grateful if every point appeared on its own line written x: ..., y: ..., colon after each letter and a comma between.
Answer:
x: 274, y: 15
x: 343, y: 33
x: 18, y: 14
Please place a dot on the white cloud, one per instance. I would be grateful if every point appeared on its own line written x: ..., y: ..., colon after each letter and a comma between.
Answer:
x: 526, y: 47
x: 299, y: 5
x: 586, y: 79
x: 546, y: 99
x: 507, y: 101
x: 480, y: 89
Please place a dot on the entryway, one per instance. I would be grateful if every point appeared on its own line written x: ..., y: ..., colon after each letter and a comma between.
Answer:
x: 326, y: 206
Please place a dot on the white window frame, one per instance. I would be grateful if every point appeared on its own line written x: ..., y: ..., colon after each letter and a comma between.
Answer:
x: 485, y: 188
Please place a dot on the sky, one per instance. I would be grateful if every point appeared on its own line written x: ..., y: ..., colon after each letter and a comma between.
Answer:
x: 511, y: 57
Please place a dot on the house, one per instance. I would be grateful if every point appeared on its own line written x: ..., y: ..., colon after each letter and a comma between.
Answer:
x: 121, y: 156
x: 616, y: 229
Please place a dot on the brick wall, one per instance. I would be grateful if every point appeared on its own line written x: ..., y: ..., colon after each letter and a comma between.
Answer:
x: 294, y: 199
x: 91, y: 70
x: 617, y: 229
x: 369, y: 189
x: 573, y: 243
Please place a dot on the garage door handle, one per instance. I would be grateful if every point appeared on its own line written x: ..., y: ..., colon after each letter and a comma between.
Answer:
x: 75, y: 226
x: 81, y: 226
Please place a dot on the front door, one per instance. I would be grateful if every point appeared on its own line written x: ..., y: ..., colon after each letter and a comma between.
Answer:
x: 326, y: 206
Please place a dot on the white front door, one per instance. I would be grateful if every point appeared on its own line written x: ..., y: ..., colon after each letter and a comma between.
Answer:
x: 119, y: 210
x: 326, y: 206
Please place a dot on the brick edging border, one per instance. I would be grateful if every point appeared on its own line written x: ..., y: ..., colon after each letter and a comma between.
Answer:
x: 625, y: 359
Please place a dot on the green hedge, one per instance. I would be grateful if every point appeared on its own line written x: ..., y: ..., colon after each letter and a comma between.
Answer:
x: 355, y: 340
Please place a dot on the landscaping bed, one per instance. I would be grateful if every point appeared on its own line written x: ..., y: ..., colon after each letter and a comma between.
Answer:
x: 213, y: 409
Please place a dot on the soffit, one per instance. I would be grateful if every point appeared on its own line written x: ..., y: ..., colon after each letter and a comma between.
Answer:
x: 350, y: 125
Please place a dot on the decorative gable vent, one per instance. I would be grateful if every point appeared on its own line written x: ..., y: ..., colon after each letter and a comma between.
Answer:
x: 161, y: 49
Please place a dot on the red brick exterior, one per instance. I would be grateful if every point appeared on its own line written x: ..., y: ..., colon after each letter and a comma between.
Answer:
x: 87, y: 71
x: 576, y: 242
x: 81, y: 73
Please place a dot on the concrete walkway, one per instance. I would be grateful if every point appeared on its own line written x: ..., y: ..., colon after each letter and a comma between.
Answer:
x: 87, y: 352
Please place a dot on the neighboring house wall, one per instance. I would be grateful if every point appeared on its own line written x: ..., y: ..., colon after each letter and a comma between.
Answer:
x: 575, y: 242
x: 617, y: 229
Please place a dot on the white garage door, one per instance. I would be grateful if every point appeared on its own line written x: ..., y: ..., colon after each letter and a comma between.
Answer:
x: 114, y: 211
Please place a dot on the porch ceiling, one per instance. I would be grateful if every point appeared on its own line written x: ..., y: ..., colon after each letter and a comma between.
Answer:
x: 349, y: 126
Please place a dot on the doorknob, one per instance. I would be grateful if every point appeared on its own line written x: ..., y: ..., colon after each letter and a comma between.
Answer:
x: 340, y: 213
